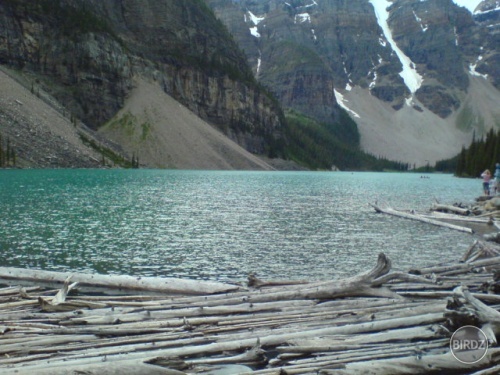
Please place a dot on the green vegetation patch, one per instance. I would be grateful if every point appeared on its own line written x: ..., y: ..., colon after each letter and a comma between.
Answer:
x: 7, y: 153
x: 318, y: 146
x: 126, y: 123
x: 74, y: 20
x: 289, y: 56
x: 107, y: 153
x: 467, y: 119
x: 129, y: 124
x: 146, y: 130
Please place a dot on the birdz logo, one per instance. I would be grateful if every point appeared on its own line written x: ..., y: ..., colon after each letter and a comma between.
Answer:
x: 469, y: 344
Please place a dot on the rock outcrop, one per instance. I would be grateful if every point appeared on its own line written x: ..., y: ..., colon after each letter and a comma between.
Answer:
x: 405, y: 53
x: 87, y: 53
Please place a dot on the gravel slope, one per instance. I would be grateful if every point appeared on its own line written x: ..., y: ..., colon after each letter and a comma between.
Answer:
x: 37, y: 130
x: 165, y: 134
x: 418, y: 136
x: 44, y: 137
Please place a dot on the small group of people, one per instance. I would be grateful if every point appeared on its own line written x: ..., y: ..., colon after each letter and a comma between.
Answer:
x: 491, y: 186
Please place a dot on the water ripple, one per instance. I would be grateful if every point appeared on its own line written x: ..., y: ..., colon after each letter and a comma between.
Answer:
x: 221, y: 225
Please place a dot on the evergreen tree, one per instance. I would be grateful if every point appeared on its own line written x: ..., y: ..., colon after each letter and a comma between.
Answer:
x: 7, y: 153
x: 1, y: 153
x: 461, y: 162
x: 482, y: 154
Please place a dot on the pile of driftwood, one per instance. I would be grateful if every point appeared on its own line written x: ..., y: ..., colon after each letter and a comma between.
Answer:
x: 455, y: 217
x: 377, y: 322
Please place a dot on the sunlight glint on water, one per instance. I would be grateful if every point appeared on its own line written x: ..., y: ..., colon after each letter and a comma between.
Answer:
x: 222, y: 225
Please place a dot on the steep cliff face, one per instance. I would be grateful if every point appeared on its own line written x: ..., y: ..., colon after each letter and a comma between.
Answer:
x: 410, y: 56
x: 487, y: 17
x: 344, y: 42
x: 297, y: 49
x: 87, y: 53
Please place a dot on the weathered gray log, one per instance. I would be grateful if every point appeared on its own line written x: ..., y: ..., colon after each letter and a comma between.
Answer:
x: 415, y: 364
x: 255, y: 282
x: 462, y: 267
x: 494, y: 370
x: 393, y: 212
x: 453, y: 217
x: 147, y: 284
x: 448, y: 208
x: 479, y: 250
x: 254, y: 356
x: 333, y: 343
x: 102, y: 368
x: 487, y: 316
x: 314, y: 364
x: 58, y: 302
x: 490, y: 214
x: 359, y: 285
x: 134, y: 353
x: 493, y: 237
x: 212, y: 329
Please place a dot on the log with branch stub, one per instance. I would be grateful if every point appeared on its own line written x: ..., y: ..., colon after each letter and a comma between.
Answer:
x: 417, y: 217
x: 481, y: 250
x: 378, y: 321
x: 475, y: 311
x: 117, y: 282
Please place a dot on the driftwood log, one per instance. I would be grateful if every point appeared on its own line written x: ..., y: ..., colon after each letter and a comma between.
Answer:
x: 450, y: 209
x: 378, y: 322
x: 417, y: 217
x: 118, y: 282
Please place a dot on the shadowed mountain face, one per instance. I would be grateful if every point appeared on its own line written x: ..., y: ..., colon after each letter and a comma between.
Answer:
x: 421, y: 54
x: 87, y: 54
x: 309, y: 46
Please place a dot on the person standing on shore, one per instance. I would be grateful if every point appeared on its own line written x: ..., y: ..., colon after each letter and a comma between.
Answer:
x: 486, y: 175
x: 497, y: 178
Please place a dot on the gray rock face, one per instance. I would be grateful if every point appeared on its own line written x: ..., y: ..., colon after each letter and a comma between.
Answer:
x: 303, y: 49
x: 87, y: 52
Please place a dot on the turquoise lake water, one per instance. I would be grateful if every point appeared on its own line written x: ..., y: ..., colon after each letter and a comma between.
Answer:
x: 222, y: 225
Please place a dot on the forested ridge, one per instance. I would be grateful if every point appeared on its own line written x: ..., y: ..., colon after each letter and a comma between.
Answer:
x: 329, y: 146
x: 483, y: 153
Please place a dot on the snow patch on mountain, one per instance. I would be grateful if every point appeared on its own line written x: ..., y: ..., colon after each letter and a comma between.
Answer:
x: 255, y: 32
x: 472, y: 69
x: 497, y: 8
x: 412, y: 79
x: 302, y: 17
x: 255, y: 20
x: 341, y: 101
x: 423, y: 26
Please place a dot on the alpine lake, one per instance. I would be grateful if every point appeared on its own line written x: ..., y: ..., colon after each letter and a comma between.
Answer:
x: 223, y: 225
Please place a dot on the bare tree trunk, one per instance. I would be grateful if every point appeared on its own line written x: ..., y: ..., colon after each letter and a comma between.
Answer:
x: 405, y: 215
x: 146, y: 284
x: 447, y: 208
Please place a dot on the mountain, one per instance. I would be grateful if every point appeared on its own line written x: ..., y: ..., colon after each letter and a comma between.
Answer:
x: 418, y: 77
x: 213, y: 83
x: 88, y: 59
